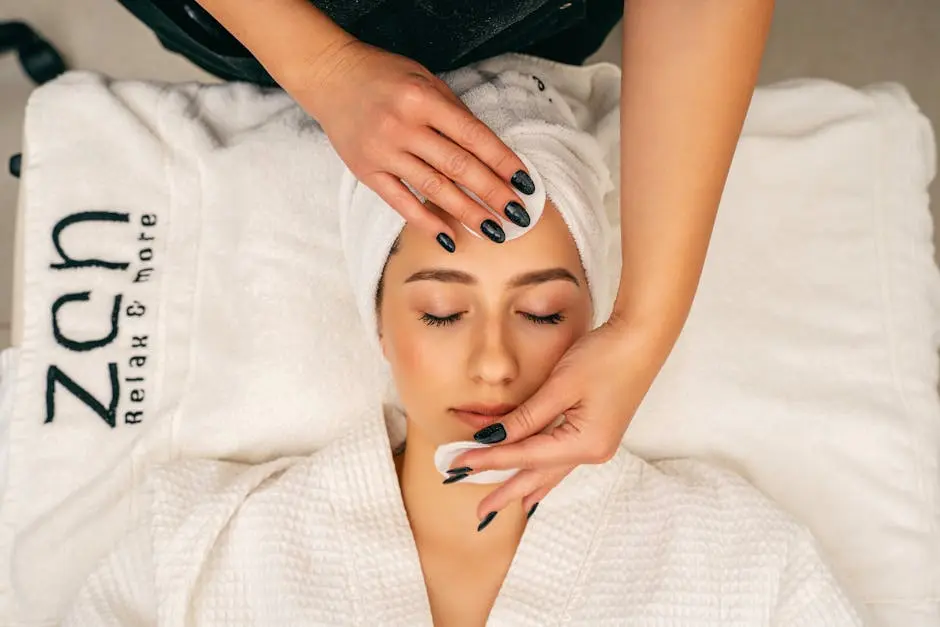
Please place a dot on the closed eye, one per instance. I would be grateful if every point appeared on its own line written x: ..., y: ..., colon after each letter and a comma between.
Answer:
x: 554, y: 318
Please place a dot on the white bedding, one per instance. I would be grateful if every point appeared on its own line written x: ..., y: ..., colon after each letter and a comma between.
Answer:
x: 808, y: 364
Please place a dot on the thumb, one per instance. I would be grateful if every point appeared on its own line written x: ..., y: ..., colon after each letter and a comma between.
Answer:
x: 529, y: 418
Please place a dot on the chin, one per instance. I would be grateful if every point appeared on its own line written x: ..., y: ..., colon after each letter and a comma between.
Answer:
x: 441, y: 430
x: 458, y: 433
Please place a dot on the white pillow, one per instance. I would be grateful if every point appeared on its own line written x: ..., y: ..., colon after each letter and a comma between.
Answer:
x: 252, y: 337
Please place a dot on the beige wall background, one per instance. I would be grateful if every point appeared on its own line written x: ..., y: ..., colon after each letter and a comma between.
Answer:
x: 852, y: 41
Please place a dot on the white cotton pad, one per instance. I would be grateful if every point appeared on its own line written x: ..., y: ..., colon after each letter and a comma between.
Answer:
x: 534, y: 204
x: 447, y: 453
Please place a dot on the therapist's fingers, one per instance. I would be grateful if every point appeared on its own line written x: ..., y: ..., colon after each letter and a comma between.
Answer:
x: 565, y: 445
x: 440, y: 190
x: 538, y: 451
x: 400, y: 198
x: 466, y: 130
x: 527, y: 486
x: 461, y: 166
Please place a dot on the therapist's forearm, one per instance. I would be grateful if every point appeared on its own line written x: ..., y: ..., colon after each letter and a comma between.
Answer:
x: 292, y: 39
x: 689, y: 70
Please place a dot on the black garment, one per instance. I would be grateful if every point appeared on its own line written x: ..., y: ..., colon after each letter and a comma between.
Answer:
x: 440, y: 34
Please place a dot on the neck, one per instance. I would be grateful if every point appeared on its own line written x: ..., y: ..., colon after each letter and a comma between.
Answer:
x: 445, y: 516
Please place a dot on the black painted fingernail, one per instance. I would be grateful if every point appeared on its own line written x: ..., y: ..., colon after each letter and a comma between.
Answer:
x: 455, y: 478
x: 486, y: 521
x: 517, y: 214
x: 446, y: 242
x: 532, y: 511
x: 523, y: 182
x: 460, y: 471
x: 493, y: 231
x: 491, y: 435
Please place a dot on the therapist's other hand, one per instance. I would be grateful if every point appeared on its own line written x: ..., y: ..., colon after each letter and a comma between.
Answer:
x: 598, y: 385
x: 391, y: 120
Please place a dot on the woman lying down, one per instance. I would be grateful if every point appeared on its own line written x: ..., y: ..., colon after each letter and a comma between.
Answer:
x: 366, y: 532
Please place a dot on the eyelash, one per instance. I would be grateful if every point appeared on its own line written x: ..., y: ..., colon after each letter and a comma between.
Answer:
x: 554, y: 318
x: 434, y: 321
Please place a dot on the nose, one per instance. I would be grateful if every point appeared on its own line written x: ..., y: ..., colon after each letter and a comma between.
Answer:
x: 494, y: 360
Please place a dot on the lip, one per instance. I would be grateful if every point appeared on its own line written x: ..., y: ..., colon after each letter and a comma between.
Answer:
x: 479, y: 415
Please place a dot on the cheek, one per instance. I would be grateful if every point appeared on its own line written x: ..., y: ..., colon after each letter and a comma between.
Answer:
x: 545, y: 353
x: 419, y: 366
x: 411, y: 359
x: 543, y: 348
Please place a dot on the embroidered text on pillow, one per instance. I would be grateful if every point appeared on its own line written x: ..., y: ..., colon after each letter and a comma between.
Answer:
x: 127, y: 313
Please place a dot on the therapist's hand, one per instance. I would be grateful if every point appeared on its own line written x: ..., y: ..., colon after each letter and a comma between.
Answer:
x: 598, y: 385
x: 391, y: 120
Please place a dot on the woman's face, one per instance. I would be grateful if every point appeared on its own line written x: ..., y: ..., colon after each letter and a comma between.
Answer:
x: 473, y: 334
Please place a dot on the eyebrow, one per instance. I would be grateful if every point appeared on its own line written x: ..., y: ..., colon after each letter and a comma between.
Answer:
x: 521, y: 280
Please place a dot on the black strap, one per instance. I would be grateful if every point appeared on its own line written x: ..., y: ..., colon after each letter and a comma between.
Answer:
x: 38, y: 58
x: 15, y: 165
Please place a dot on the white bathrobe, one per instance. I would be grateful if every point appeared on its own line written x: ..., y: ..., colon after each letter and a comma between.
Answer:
x: 325, y: 540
